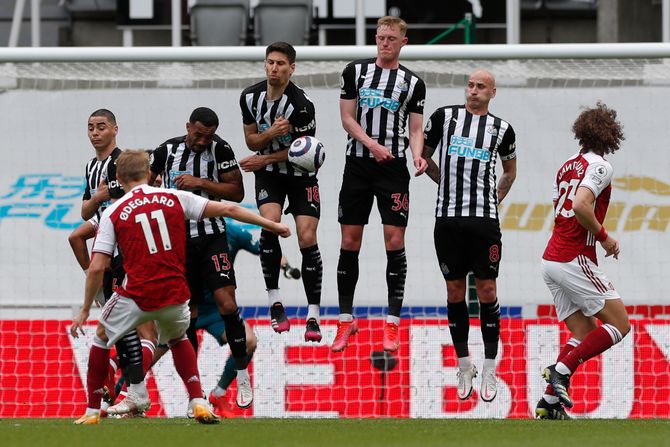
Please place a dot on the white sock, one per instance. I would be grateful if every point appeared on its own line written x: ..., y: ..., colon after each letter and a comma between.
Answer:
x: 242, y: 375
x: 218, y: 391
x: 490, y: 364
x: 464, y: 363
x: 91, y: 411
x: 273, y: 296
x: 138, y: 389
x: 313, y: 311
x: 561, y: 368
x: 550, y: 399
x: 393, y: 319
x: 346, y: 317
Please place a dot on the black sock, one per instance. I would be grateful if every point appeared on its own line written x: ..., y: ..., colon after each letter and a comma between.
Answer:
x: 192, y: 334
x: 270, y: 258
x: 396, y: 272
x: 489, y: 313
x: 347, y: 277
x: 459, y: 326
x: 236, y: 335
x: 134, y: 372
x: 312, y: 273
x: 122, y: 354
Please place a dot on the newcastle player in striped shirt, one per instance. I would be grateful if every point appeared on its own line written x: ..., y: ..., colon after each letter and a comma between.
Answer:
x: 379, y: 97
x: 205, y: 164
x: 469, y: 140
x: 275, y: 112
x: 102, y: 188
x: 101, y: 182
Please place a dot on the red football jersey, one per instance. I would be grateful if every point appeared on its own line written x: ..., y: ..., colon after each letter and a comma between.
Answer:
x: 569, y: 239
x: 149, y: 226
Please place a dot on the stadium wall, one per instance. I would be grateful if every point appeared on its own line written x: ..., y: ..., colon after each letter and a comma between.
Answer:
x: 45, y: 149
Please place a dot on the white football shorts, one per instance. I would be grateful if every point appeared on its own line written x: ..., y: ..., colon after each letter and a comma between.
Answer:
x: 120, y: 315
x: 578, y: 285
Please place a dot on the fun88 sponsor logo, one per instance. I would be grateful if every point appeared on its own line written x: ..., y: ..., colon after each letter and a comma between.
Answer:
x: 372, y: 97
x: 283, y: 139
x: 465, y: 147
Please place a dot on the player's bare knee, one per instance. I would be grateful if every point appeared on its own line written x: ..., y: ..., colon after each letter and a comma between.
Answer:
x: 225, y: 300
x: 581, y: 332
x: 227, y: 307
x: 486, y: 290
x: 487, y: 295
x: 394, y: 240
x: 624, y: 326
x: 100, y: 333
x: 306, y: 239
x: 455, y: 296
x: 147, y: 331
x: 456, y: 291
x: 351, y: 243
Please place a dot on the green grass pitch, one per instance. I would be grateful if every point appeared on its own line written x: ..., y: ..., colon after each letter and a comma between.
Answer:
x: 334, y: 432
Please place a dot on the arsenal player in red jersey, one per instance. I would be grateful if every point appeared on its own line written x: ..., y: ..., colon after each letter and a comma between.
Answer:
x: 582, y: 292
x: 148, y: 226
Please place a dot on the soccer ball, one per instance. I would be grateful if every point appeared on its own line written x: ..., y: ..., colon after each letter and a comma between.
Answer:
x: 306, y: 154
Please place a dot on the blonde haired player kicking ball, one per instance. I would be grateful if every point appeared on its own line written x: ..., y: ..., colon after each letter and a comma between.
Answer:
x: 148, y: 225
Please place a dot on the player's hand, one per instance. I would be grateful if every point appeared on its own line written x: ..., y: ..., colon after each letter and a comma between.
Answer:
x: 281, y: 229
x: 381, y: 153
x: 78, y: 323
x: 420, y: 164
x: 280, y: 127
x: 187, y: 182
x: 102, y: 193
x: 611, y: 247
x: 252, y: 163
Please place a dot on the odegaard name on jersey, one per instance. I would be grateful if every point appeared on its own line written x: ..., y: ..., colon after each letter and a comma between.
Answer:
x: 131, y: 205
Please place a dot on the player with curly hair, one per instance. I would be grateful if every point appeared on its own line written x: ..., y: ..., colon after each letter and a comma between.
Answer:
x: 582, y: 292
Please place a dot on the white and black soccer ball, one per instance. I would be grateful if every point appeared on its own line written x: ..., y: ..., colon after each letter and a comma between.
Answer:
x: 306, y: 154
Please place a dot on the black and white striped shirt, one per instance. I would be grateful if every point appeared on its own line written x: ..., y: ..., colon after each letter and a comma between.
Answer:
x: 385, y: 98
x: 99, y: 170
x: 468, y: 146
x: 294, y: 105
x: 173, y: 158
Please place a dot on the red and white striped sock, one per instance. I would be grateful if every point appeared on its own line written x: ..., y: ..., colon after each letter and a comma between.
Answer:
x: 598, y: 341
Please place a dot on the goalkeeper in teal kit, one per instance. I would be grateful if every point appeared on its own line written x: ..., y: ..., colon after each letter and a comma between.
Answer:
x: 239, y: 238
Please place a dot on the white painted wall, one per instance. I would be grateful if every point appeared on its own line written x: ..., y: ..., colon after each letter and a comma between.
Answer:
x: 45, y: 133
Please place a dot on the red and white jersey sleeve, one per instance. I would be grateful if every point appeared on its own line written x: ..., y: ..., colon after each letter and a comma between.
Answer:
x: 569, y: 238
x: 192, y: 204
x: 105, y: 237
x: 598, y: 176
